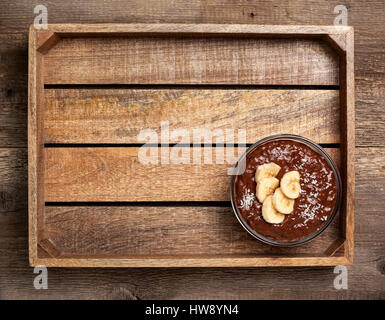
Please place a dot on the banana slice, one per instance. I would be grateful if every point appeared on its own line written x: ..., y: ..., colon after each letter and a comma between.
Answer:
x: 281, y: 203
x: 290, y: 185
x: 266, y: 187
x: 266, y: 170
x: 269, y: 213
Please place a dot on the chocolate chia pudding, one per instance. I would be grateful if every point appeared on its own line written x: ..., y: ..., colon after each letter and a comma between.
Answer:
x: 297, y: 193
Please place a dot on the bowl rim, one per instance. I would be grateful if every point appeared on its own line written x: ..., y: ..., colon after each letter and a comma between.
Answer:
x: 314, y: 146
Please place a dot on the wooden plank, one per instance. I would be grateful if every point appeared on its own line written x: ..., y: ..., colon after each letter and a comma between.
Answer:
x: 116, y: 174
x: 239, y: 261
x: 13, y: 194
x: 173, y: 60
x: 162, y: 232
x: 119, y: 115
x: 348, y: 142
x: 46, y: 40
x: 186, y: 283
x: 369, y: 53
x: 35, y: 145
x: 193, y: 29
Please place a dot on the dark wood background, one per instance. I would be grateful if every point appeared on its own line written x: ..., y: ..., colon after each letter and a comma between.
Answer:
x: 366, y: 278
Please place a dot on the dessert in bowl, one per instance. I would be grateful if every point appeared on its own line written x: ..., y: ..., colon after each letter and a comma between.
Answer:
x: 285, y: 190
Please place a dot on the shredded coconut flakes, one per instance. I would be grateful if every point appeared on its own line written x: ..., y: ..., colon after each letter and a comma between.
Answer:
x: 247, y: 200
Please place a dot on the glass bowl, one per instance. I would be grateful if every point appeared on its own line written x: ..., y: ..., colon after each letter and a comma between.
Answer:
x: 317, y: 148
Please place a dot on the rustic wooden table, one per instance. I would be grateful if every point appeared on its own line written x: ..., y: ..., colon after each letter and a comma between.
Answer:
x: 366, y: 277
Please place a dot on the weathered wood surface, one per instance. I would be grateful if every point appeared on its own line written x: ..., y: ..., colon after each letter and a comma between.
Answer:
x: 35, y: 143
x: 348, y: 141
x: 114, y: 174
x: 119, y: 174
x: 166, y: 60
x: 369, y: 31
x: 366, y: 276
x: 146, y: 231
x: 119, y: 115
x: 144, y: 57
x: 187, y: 30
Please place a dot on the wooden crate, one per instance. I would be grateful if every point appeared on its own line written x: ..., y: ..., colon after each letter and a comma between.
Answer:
x: 92, y: 88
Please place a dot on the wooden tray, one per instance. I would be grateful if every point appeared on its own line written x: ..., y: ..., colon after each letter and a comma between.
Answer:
x: 92, y: 88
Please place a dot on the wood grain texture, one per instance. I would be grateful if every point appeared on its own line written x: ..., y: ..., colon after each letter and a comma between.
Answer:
x: 36, y: 170
x: 201, y: 29
x: 210, y: 262
x: 163, y: 232
x: 348, y: 145
x: 369, y: 66
x: 141, y: 57
x: 117, y: 174
x: 366, y: 276
x: 13, y: 191
x: 167, y: 60
x: 119, y: 115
